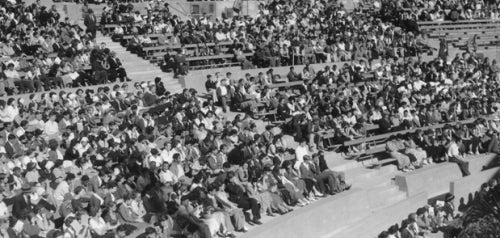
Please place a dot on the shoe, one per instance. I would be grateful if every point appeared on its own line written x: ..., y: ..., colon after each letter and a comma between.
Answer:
x: 230, y: 235
x: 257, y: 222
x: 243, y: 230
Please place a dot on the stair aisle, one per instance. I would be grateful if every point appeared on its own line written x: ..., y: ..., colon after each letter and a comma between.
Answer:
x: 138, y: 69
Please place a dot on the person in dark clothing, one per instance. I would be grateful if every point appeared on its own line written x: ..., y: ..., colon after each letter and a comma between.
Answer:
x: 160, y: 89
x: 90, y: 22
x: 384, y: 124
x: 319, y: 160
x: 116, y: 69
x: 238, y: 196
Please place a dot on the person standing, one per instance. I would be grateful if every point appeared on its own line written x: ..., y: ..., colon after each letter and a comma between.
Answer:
x: 90, y: 22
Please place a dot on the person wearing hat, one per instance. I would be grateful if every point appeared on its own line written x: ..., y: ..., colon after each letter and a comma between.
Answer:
x: 423, y: 220
x: 21, y: 204
x: 449, y: 207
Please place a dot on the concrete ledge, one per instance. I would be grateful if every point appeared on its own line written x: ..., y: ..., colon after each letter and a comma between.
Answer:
x: 433, y: 179
x: 317, y: 219
x: 477, y: 162
x: 465, y: 187
x: 371, y: 226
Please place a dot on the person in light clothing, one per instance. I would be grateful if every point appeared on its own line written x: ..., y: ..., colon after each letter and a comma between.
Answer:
x: 454, y: 156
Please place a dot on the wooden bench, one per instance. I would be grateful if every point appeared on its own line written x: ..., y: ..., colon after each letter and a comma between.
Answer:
x: 326, y: 137
x: 378, y: 139
x: 271, y: 114
x: 111, y: 27
x: 126, y: 38
x: 430, y: 24
x: 285, y: 84
x: 163, y: 48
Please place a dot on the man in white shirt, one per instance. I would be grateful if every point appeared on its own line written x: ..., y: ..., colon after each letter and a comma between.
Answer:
x: 454, y: 156
x: 167, y: 153
x: 166, y: 176
x: 155, y: 158
x: 63, y: 188
x: 51, y: 128
x: 300, y: 152
x: 222, y: 94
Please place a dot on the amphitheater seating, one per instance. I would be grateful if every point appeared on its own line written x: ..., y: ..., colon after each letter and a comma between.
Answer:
x: 125, y: 39
x: 110, y: 27
x: 460, y: 29
x: 471, y: 24
x: 381, y: 139
x: 286, y: 84
x: 163, y: 48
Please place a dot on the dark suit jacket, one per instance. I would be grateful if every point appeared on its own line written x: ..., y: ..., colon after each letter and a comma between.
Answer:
x: 235, y: 192
x: 118, y: 105
x: 90, y: 21
x: 149, y: 99
x: 9, y: 149
x: 114, y: 63
x: 20, y: 206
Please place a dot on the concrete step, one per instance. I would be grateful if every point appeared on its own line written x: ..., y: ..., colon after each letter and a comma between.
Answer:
x: 139, y: 68
x: 139, y: 65
x: 146, y: 72
x: 371, y: 226
x: 336, y: 162
x: 476, y: 162
x: 114, y: 47
x: 365, y: 174
x: 385, y: 198
x: 376, y: 181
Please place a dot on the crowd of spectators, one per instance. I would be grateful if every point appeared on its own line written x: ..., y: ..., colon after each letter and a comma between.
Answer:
x: 446, y: 10
x: 444, y: 216
x: 120, y: 161
x: 108, y: 162
x: 388, y: 96
x: 39, y: 51
x: 282, y: 33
